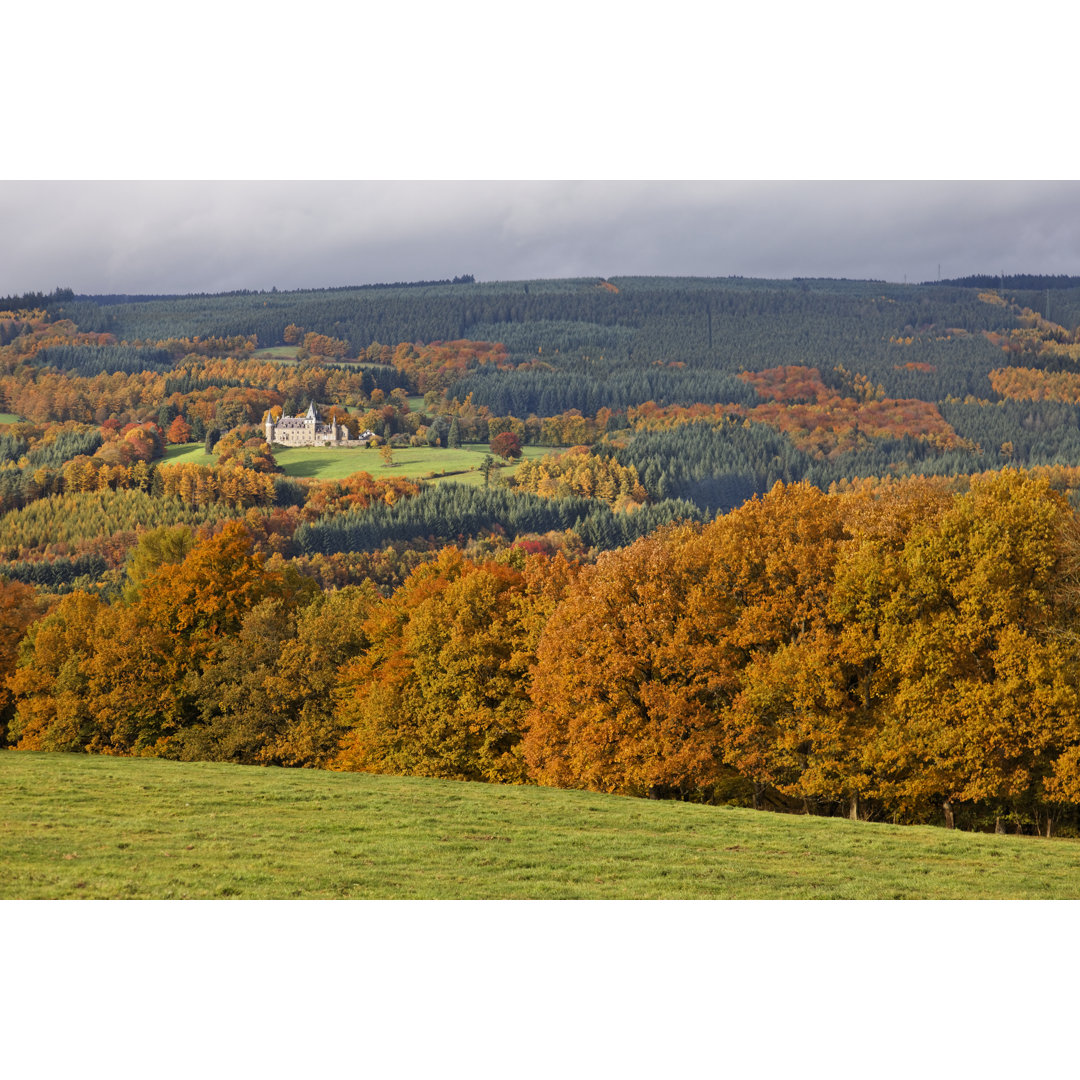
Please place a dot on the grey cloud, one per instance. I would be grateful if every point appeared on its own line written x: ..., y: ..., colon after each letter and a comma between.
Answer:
x: 210, y: 236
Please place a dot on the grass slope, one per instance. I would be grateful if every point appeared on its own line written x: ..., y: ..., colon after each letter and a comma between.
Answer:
x: 335, y: 463
x: 286, y: 353
x: 101, y: 827
x: 411, y: 462
x: 188, y: 453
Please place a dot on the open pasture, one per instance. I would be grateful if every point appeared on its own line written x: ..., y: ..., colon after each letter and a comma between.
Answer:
x: 412, y: 462
x: 285, y: 353
x: 75, y: 825
x: 188, y: 454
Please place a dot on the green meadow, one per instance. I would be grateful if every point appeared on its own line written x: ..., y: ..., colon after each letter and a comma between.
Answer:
x: 75, y: 826
x: 412, y: 462
x: 334, y: 463
x: 188, y: 454
x: 277, y: 352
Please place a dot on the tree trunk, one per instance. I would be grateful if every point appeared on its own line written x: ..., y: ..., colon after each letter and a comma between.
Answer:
x: 950, y: 821
x: 999, y: 826
x: 853, y: 808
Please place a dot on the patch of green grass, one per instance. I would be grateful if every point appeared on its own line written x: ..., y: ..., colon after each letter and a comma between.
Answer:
x: 188, y: 454
x: 411, y: 462
x: 334, y: 463
x: 10, y: 418
x: 75, y: 825
x: 277, y: 352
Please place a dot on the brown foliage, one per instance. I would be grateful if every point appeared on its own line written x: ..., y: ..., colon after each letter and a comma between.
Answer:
x: 442, y: 689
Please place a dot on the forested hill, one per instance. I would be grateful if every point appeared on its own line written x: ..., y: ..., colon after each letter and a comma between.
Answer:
x: 1014, y: 281
x: 806, y: 543
x: 619, y: 317
x: 861, y: 378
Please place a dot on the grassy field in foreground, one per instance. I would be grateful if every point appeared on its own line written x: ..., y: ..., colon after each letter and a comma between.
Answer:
x: 100, y: 827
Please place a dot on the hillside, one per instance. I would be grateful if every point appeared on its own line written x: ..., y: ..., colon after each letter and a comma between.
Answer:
x: 809, y: 545
x: 99, y: 827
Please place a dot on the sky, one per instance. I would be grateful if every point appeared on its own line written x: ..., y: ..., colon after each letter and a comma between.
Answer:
x: 156, y: 236
x: 339, y: 145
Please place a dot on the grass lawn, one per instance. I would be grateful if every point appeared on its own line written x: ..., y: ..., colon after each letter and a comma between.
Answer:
x: 75, y: 825
x: 9, y: 418
x: 334, y: 463
x: 276, y: 352
x: 188, y: 454
x: 412, y: 462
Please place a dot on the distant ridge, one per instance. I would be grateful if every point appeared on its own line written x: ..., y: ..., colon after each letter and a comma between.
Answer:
x: 35, y: 299
x: 139, y: 298
x: 1012, y: 281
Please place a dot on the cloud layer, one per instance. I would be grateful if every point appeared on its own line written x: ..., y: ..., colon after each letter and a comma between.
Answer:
x: 154, y: 236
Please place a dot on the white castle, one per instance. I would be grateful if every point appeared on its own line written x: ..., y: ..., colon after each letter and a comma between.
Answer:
x: 307, y: 431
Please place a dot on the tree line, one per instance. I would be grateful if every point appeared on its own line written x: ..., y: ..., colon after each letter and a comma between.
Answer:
x: 897, y: 651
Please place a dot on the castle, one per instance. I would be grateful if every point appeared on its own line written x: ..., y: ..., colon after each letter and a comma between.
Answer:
x: 307, y: 431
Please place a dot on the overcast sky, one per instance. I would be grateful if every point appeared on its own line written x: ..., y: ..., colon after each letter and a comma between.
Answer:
x: 192, y: 236
x: 775, y: 122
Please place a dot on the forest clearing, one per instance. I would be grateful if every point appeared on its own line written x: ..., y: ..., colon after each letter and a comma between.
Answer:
x: 462, y: 465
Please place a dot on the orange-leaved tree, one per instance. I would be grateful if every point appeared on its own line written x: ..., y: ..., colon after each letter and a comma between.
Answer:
x: 621, y: 701
x: 441, y: 690
x: 978, y: 637
x: 124, y: 678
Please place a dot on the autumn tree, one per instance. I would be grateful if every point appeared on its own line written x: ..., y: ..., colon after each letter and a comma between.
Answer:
x: 441, y: 690
x: 53, y: 710
x: 124, y: 678
x: 331, y: 632
x: 620, y: 702
x: 977, y: 633
x: 179, y: 431
x: 506, y: 445
x: 18, y: 609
